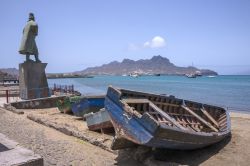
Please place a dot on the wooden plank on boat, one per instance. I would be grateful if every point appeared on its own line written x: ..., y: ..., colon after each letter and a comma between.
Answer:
x: 131, y: 101
x: 162, y: 113
x: 200, y: 118
x: 167, y: 104
x: 173, y: 105
x: 209, y: 117
x: 165, y: 115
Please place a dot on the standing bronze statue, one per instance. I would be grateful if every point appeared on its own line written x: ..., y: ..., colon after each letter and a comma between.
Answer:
x: 28, y: 45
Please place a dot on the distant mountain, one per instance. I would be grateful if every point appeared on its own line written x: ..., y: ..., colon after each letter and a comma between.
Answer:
x: 2, y: 74
x: 10, y: 71
x: 6, y: 75
x: 155, y: 65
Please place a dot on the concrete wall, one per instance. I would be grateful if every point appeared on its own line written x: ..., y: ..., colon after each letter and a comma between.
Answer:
x: 37, y: 103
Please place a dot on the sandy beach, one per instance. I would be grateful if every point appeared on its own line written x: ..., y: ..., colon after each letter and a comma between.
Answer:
x: 60, y: 149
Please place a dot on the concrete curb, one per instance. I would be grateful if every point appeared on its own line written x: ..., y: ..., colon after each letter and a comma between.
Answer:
x: 9, y: 107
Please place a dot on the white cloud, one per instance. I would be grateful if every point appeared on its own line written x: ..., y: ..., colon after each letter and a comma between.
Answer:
x: 156, y: 42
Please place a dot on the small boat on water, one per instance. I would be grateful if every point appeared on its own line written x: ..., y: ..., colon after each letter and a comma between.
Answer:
x: 87, y: 104
x: 164, y: 121
x: 190, y: 75
x: 134, y: 75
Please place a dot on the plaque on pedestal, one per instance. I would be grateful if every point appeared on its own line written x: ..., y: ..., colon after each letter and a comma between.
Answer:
x: 32, y: 80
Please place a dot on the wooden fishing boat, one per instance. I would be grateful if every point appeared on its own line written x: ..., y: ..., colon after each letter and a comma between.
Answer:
x: 99, y: 121
x: 87, y: 104
x: 164, y: 121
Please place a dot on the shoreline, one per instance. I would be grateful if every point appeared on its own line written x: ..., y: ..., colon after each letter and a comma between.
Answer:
x: 86, y: 90
x: 242, y: 112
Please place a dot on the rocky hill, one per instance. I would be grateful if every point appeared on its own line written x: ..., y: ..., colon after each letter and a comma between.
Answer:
x: 10, y: 71
x: 155, y: 65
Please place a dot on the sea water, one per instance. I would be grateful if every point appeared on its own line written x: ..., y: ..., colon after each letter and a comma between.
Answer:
x: 232, y: 92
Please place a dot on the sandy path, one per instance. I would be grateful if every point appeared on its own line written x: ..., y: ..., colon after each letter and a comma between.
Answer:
x: 55, y: 147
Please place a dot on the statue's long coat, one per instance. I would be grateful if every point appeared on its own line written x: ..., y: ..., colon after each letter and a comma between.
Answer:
x: 28, y: 44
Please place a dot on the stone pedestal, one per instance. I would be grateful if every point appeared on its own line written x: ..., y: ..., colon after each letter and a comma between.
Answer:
x: 32, y: 80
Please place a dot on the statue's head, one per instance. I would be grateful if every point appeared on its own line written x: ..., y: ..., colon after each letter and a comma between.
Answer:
x: 31, y: 16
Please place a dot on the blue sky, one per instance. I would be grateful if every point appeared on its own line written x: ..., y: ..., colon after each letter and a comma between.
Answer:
x: 73, y: 35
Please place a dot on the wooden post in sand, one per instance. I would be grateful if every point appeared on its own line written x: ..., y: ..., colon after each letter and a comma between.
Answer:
x: 7, y: 96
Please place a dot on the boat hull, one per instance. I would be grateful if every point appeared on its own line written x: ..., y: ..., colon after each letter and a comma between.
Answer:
x: 88, y: 104
x: 148, y: 132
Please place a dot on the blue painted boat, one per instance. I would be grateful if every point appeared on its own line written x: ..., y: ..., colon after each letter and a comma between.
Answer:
x: 87, y: 104
x: 164, y: 121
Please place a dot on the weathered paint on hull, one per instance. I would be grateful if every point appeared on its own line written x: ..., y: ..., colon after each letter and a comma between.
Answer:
x: 87, y: 105
x: 101, y: 126
x: 126, y: 127
x: 99, y: 120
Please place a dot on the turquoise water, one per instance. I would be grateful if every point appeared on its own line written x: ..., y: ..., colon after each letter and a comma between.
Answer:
x: 232, y: 92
